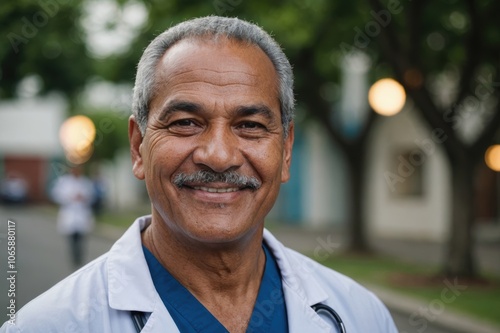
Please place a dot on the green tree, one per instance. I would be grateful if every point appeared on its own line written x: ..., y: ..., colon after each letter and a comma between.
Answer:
x: 425, y: 40
x: 46, y: 39
x: 111, y: 134
x: 41, y: 38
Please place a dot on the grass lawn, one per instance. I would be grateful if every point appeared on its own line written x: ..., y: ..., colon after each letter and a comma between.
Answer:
x: 480, y: 299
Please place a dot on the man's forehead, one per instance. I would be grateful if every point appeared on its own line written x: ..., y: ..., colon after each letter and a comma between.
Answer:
x: 221, y: 55
x: 222, y: 64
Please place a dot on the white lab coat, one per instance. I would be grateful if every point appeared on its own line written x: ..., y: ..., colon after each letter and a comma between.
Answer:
x: 100, y: 296
x: 75, y: 196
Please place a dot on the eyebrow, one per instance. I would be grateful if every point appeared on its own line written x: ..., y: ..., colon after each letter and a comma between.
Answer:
x: 241, y: 111
x: 258, y: 109
x: 185, y: 106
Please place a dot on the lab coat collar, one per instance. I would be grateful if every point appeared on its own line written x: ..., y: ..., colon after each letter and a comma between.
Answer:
x: 126, y: 267
x: 131, y: 287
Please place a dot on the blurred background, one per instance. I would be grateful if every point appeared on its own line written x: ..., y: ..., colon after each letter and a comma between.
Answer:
x: 397, y: 145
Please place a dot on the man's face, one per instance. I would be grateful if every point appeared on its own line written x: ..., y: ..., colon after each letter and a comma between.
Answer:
x: 215, y: 109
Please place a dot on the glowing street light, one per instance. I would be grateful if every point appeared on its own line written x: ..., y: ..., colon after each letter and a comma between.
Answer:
x: 77, y: 135
x: 387, y: 97
x: 492, y: 157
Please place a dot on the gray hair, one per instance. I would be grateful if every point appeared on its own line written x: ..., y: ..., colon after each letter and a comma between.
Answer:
x: 211, y: 26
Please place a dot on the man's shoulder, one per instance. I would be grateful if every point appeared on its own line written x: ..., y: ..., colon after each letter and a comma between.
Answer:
x: 343, y: 292
x: 90, y: 281
x: 311, y: 269
x: 78, y: 298
x: 97, y: 297
x: 304, y: 267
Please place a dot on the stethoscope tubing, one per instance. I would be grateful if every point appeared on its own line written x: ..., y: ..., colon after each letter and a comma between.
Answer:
x: 334, y: 316
x: 139, y: 320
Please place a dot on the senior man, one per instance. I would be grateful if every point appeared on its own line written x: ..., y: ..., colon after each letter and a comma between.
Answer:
x: 211, y: 135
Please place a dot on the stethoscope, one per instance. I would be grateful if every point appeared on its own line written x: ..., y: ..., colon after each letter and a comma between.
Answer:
x: 140, y: 319
x: 334, y: 316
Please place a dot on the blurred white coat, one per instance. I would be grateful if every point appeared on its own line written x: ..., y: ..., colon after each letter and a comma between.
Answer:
x: 75, y: 195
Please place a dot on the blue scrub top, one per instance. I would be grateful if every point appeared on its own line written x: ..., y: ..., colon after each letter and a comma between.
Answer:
x: 190, y: 316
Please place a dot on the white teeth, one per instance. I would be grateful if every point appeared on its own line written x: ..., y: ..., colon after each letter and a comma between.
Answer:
x: 216, y: 190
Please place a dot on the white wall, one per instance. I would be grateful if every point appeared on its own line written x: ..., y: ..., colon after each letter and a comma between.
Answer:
x: 411, y: 217
x: 30, y: 126
x: 324, y: 179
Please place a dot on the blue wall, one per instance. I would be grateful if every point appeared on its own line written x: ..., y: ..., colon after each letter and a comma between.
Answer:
x: 288, y: 207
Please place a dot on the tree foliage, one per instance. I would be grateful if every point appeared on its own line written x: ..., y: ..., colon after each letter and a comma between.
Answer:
x: 42, y: 38
x: 111, y: 133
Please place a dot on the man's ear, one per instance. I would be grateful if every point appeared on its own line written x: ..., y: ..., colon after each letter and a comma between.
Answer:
x: 287, y: 154
x: 135, y: 138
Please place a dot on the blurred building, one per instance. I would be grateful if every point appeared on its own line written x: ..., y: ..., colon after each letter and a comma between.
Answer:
x: 407, y: 193
x: 408, y: 187
x: 31, y: 155
x: 29, y: 142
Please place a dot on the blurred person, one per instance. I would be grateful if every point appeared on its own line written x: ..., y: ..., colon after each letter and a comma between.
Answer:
x: 74, y: 192
x: 211, y: 135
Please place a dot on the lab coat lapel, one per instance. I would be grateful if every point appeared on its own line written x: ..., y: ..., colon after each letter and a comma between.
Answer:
x: 301, y: 317
x: 130, y: 285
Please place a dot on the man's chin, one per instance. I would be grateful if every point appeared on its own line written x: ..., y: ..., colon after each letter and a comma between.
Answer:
x: 223, y: 238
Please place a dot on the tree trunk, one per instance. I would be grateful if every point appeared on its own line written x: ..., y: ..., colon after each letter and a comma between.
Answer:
x: 461, y: 243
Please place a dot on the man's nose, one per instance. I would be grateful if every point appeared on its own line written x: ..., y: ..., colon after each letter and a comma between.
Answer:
x: 218, y: 149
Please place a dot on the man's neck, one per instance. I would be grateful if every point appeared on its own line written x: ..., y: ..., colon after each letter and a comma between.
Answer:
x: 225, y: 279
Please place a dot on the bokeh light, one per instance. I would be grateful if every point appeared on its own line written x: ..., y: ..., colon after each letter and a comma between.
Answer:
x: 77, y: 135
x: 387, y: 97
x: 492, y: 157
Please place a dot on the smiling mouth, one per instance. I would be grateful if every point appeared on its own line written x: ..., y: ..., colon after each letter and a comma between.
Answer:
x: 216, y: 190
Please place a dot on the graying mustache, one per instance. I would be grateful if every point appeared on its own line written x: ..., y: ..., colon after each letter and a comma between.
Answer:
x: 206, y: 177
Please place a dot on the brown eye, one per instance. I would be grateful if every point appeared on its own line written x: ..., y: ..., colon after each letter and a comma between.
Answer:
x: 184, y: 127
x: 251, y: 125
x: 183, y: 122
